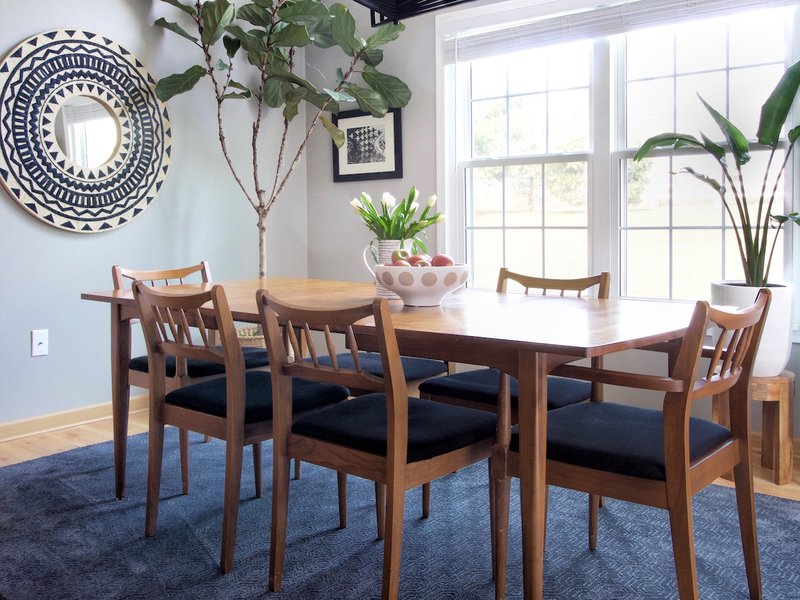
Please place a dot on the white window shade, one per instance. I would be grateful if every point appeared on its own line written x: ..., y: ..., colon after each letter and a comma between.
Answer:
x: 469, y: 41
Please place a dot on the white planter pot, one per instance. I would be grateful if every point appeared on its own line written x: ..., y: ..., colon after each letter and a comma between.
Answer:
x: 776, y: 339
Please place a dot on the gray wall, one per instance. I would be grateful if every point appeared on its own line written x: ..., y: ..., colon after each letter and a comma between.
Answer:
x: 199, y: 215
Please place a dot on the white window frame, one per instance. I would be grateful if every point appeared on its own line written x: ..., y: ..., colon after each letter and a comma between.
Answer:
x: 605, y: 164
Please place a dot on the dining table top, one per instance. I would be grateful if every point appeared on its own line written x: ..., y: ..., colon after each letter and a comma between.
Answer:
x: 581, y: 327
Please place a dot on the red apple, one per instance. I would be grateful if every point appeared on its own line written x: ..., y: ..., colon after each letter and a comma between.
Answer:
x: 417, y: 258
x: 400, y: 263
x: 442, y: 260
x: 400, y: 254
x: 421, y: 263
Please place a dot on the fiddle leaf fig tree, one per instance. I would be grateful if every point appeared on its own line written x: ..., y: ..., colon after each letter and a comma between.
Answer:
x: 751, y: 220
x: 263, y: 38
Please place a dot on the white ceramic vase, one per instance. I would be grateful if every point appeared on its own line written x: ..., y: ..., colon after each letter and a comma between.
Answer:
x: 379, y: 252
x: 776, y: 339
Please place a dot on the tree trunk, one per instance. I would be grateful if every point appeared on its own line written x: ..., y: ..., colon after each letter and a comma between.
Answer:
x: 262, y: 247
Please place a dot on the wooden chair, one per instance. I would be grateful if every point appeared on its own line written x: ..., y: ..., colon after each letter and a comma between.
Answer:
x: 660, y: 458
x: 480, y: 388
x: 384, y: 436
x: 236, y: 407
x: 181, y: 373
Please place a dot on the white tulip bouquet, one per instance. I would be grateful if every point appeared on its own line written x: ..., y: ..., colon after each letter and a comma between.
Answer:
x: 395, y: 221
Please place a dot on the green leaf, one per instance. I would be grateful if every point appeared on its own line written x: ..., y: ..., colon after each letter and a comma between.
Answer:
x: 304, y: 11
x: 776, y: 108
x: 712, y: 148
x: 252, y: 13
x: 339, y: 76
x: 667, y: 140
x: 735, y: 138
x: 162, y: 22
x: 385, y: 34
x: 216, y: 16
x: 344, y: 30
x: 249, y: 42
x: 221, y: 65
x: 339, y: 96
x: 705, y: 179
x: 372, y: 56
x: 263, y: 3
x: 291, y: 36
x: 246, y: 93
x: 183, y: 7
x: 321, y: 33
x: 236, y: 95
x: 794, y: 134
x: 179, y: 83
x: 337, y: 135
x: 369, y: 100
x: 322, y: 101
x: 390, y: 87
x: 290, y: 77
x: 290, y: 110
x: 231, y: 44
x: 273, y: 93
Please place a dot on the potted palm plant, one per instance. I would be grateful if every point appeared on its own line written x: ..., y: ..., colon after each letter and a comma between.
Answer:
x: 751, y: 214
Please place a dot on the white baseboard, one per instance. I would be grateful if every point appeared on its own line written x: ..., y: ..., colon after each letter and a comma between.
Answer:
x: 64, y: 419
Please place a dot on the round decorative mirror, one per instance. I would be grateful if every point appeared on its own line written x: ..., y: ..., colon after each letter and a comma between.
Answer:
x: 87, y: 131
x: 85, y: 143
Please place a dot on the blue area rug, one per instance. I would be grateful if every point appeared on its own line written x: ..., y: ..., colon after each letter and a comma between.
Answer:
x: 64, y: 536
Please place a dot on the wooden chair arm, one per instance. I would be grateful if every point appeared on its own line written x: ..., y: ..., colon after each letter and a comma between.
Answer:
x: 621, y: 378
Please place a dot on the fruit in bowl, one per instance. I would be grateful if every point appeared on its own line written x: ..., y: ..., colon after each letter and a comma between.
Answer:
x: 422, y: 285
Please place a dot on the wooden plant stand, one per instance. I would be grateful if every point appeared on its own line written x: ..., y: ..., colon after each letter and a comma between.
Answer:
x: 776, y: 395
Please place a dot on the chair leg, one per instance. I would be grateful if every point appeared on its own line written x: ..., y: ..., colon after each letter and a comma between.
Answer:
x: 492, y: 525
x: 341, y: 482
x: 393, y: 543
x: 155, y: 454
x: 680, y: 521
x: 258, y: 471
x: 426, y: 500
x: 297, y: 464
x: 502, y: 490
x: 183, y: 438
x: 230, y: 510
x: 594, y: 509
x: 380, y: 508
x: 743, y: 478
x: 280, y: 509
x: 206, y: 439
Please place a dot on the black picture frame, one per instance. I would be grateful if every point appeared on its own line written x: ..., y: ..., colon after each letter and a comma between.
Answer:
x: 372, y: 149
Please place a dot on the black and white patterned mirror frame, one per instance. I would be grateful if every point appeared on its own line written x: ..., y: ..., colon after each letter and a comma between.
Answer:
x: 36, y: 79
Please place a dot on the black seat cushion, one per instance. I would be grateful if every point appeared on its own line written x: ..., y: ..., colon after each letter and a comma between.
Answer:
x: 483, y: 386
x: 620, y: 439
x: 253, y: 358
x: 413, y: 368
x: 433, y: 428
x: 210, y: 396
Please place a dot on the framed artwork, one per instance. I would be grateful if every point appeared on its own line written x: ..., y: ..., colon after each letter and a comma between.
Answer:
x: 373, y: 148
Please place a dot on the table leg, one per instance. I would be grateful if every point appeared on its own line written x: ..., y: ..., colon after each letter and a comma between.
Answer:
x: 120, y: 393
x: 533, y: 482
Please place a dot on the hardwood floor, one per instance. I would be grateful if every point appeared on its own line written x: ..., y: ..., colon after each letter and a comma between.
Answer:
x: 44, y: 444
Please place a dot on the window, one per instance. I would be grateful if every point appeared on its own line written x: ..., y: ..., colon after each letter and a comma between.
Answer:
x: 539, y: 141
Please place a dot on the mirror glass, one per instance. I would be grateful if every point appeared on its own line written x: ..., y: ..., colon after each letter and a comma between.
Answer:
x: 87, y: 131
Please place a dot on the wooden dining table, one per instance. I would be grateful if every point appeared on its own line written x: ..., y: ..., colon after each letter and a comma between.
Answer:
x: 526, y: 336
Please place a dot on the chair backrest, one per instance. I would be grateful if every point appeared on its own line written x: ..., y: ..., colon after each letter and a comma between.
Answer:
x: 282, y: 322
x: 168, y: 320
x: 123, y: 277
x: 728, y: 372
x: 562, y: 286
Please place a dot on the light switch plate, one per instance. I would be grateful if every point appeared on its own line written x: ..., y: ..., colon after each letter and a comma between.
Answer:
x: 39, y: 342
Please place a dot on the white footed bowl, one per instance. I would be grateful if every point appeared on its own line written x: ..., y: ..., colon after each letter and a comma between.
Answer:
x: 422, y: 286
